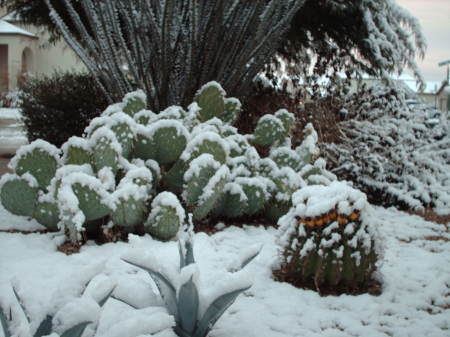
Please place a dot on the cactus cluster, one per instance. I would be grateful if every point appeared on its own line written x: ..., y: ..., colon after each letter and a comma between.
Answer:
x: 136, y: 169
x: 328, y: 240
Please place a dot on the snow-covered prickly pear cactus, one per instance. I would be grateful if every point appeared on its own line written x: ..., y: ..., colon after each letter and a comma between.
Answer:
x: 19, y: 193
x: 76, y: 151
x: 328, y: 239
x: 210, y: 99
x: 40, y: 159
x: 129, y: 154
x: 46, y: 212
x: 164, y: 141
x: 106, y: 150
x: 134, y: 102
x: 81, y: 198
x: 232, y: 110
x: 212, y: 103
x: 167, y: 216
x: 269, y: 131
x: 130, y: 199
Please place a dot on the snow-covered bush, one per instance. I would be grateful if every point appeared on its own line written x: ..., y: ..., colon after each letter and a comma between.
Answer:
x: 130, y: 156
x: 195, y: 314
x: 398, y: 153
x: 69, y: 321
x: 328, y: 240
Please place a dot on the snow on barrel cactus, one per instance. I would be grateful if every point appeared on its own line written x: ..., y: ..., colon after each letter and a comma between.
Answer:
x: 329, y: 240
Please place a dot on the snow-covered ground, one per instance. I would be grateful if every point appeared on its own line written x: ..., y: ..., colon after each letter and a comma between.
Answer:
x: 415, y: 273
x: 12, y: 135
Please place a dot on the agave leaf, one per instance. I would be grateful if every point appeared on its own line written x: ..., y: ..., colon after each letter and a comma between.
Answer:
x: 187, y: 254
x: 4, y: 322
x: 127, y: 303
x: 21, y: 304
x: 76, y: 331
x: 102, y: 302
x: 188, y: 303
x: 215, y: 311
x: 45, y: 328
x: 166, y: 289
x: 249, y: 258
x: 181, y: 253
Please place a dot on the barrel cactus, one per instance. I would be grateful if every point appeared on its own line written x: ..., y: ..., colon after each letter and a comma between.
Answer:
x: 329, y: 240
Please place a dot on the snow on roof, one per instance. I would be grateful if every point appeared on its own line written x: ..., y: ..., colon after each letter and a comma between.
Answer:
x: 431, y: 87
x: 11, y: 17
x: 7, y: 28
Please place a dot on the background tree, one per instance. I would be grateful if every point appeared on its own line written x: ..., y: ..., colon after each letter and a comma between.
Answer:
x: 372, y: 36
x: 376, y: 37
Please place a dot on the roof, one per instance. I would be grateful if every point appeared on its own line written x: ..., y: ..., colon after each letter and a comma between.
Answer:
x: 7, y: 28
x: 11, y: 17
x: 431, y: 87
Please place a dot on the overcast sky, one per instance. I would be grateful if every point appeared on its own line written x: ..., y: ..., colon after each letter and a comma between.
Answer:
x: 434, y: 16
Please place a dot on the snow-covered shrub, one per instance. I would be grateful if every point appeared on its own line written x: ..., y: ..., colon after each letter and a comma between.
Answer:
x: 328, y: 239
x: 195, y: 317
x: 69, y: 321
x: 127, y: 156
x: 398, y: 154
x: 59, y: 106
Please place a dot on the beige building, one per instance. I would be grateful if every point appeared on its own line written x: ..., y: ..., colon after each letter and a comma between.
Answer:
x: 25, y: 50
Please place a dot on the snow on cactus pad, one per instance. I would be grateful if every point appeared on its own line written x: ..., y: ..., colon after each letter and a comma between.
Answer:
x: 413, y: 301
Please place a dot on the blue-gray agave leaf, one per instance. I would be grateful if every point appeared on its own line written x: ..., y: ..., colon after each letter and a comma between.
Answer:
x: 21, y: 304
x: 165, y: 287
x: 45, y: 328
x: 188, y: 303
x: 4, y: 321
x: 215, y: 311
x: 102, y: 301
x: 249, y: 257
x: 186, y: 253
x: 127, y: 303
x: 76, y: 331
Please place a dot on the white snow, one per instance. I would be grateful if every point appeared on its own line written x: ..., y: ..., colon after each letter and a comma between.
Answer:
x: 414, y: 274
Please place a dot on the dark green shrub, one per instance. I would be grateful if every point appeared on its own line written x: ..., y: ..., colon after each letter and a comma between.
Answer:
x: 59, y: 106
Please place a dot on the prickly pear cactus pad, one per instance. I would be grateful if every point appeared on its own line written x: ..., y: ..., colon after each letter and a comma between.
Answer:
x: 210, y: 99
x: 76, y: 151
x: 329, y: 242
x: 134, y: 102
x: 166, y: 218
x: 39, y: 158
x: 19, y: 194
x: 269, y: 130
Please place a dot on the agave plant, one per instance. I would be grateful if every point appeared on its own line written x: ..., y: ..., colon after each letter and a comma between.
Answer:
x: 183, y: 302
x: 46, y: 326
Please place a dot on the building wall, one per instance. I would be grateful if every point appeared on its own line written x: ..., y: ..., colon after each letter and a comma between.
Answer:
x: 16, y: 46
x: 45, y: 58
x: 51, y: 57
